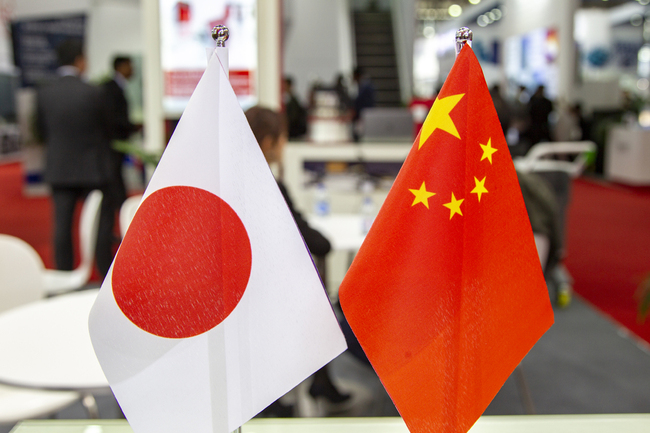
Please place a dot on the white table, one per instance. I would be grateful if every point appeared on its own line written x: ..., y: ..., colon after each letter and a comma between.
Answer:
x: 46, y: 345
x: 628, y: 423
x: 627, y: 155
x: 297, y: 153
x: 344, y: 231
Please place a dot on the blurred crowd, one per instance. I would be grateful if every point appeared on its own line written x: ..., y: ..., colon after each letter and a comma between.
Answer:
x: 527, y: 117
x: 78, y: 122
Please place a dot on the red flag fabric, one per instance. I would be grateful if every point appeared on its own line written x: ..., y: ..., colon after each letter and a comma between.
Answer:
x: 446, y: 294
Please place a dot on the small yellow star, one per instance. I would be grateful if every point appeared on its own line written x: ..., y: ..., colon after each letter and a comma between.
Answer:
x: 480, y: 188
x: 454, y: 206
x: 488, y: 150
x: 421, y: 195
x: 438, y: 118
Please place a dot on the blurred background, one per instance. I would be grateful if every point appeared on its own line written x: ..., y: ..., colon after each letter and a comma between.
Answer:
x: 355, y: 79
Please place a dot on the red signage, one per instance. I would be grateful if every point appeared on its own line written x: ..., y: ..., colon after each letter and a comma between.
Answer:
x: 183, y: 83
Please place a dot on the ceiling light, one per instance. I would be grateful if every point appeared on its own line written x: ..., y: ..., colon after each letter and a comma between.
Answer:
x: 475, y: 2
x: 644, y: 118
x: 644, y: 54
x: 455, y: 10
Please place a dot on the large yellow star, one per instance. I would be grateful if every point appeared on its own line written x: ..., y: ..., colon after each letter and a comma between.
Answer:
x: 454, y: 206
x: 438, y: 118
x: 488, y: 150
x: 421, y: 195
x: 480, y: 188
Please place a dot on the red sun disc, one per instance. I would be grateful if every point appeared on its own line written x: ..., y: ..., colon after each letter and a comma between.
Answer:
x: 183, y: 265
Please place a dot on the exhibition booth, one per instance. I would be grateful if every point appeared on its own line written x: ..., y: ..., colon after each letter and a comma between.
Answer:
x: 338, y: 172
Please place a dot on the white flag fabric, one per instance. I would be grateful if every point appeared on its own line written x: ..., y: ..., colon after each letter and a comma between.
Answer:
x: 213, y: 308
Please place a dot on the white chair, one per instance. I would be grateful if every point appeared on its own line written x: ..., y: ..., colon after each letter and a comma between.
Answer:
x: 387, y: 124
x: 538, y: 158
x: 21, y: 282
x: 17, y: 404
x: 127, y: 212
x: 57, y: 282
x: 558, y: 163
x: 21, y: 273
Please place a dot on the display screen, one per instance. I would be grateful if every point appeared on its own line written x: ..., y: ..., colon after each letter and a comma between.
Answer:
x: 35, y: 42
x: 531, y: 60
x: 185, y: 33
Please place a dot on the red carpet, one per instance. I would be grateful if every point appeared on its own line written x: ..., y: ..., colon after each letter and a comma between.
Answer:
x: 608, y: 248
x: 28, y: 218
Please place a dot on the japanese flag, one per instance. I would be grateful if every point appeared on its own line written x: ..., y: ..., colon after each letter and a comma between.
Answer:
x: 213, y: 308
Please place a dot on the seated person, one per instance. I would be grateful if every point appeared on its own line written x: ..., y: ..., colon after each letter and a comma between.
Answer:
x: 269, y: 128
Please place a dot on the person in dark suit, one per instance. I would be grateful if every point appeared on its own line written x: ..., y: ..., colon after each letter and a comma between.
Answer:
x: 539, y: 108
x: 366, y: 98
x: 121, y: 128
x: 73, y: 122
x: 269, y: 128
x: 295, y: 112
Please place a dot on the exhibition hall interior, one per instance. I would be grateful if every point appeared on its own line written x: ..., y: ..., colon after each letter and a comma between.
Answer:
x: 227, y: 212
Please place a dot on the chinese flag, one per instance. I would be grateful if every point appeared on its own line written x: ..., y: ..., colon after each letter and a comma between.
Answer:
x: 446, y: 295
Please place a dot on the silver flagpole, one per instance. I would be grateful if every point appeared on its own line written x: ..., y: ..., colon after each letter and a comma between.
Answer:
x: 220, y: 34
x: 463, y: 36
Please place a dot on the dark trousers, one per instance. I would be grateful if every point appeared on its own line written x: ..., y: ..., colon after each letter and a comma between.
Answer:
x: 116, y: 186
x: 65, y: 200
